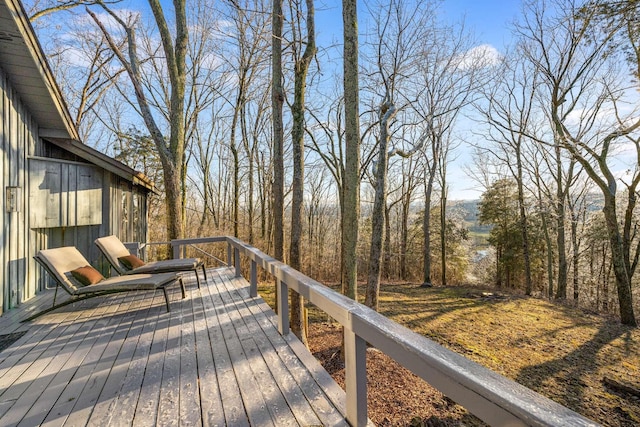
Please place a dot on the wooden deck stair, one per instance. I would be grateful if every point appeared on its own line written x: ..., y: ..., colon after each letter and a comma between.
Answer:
x: 216, y: 359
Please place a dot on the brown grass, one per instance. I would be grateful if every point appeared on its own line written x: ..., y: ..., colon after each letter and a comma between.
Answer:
x: 556, y: 350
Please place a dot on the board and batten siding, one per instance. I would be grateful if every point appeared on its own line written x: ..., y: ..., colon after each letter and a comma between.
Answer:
x: 65, y: 200
x: 64, y: 194
x: 18, y: 133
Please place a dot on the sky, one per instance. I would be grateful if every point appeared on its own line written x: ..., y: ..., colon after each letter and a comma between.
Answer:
x: 488, y: 20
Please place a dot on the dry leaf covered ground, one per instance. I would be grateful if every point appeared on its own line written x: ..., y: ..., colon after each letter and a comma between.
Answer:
x: 563, y: 353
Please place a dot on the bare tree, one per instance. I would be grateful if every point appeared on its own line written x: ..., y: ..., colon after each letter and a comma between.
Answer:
x: 277, y: 101
x: 43, y: 8
x: 171, y: 149
x: 580, y: 76
x: 301, y: 68
x: 509, y: 112
x: 400, y: 31
x: 451, y: 71
x: 351, y: 177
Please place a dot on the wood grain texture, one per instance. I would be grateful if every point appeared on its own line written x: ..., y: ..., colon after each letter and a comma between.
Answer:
x: 216, y: 359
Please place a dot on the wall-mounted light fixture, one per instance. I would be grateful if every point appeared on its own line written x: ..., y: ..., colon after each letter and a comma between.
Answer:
x: 13, y: 199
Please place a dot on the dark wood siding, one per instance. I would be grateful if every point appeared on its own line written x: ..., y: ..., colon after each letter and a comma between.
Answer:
x: 64, y: 200
x: 17, y: 133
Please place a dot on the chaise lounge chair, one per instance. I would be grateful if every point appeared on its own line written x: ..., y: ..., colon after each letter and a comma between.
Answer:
x: 124, y: 263
x: 72, y: 272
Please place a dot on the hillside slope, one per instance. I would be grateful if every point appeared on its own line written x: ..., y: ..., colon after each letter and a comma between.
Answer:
x: 562, y: 353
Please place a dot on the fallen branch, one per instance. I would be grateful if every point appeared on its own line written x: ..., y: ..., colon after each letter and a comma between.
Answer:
x: 621, y: 386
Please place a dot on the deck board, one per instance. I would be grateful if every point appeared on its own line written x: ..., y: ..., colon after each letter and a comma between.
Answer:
x: 290, y: 390
x: 216, y: 359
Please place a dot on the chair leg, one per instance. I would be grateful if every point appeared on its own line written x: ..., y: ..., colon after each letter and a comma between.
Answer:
x: 71, y: 300
x: 166, y: 297
x: 204, y: 272
x: 55, y: 295
x: 195, y: 270
x: 184, y: 293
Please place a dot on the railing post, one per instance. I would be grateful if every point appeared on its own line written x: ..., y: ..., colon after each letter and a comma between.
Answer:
x: 355, y: 368
x: 253, y: 282
x: 283, y: 307
x: 229, y: 260
x: 236, y: 254
x: 175, y: 249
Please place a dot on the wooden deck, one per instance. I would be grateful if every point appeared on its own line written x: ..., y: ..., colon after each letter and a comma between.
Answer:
x: 216, y: 359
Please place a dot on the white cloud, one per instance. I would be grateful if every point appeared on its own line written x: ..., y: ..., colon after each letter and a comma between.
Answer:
x: 484, y: 55
x: 109, y: 22
x: 76, y: 57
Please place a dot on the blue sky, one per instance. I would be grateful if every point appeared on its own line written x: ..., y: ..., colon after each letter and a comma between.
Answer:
x: 489, y: 20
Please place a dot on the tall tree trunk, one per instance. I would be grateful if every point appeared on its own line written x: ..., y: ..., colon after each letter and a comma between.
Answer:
x: 404, y: 234
x: 549, y: 251
x: 205, y: 196
x: 426, y: 228
x: 277, y: 101
x: 547, y: 238
x: 387, y: 112
x: 524, y: 225
x: 235, y: 208
x: 351, y: 177
x: 561, y: 291
x: 498, y: 267
x: 297, y: 204
x: 250, y: 211
x: 386, y: 266
x: 172, y: 152
x: 576, y: 256
x: 263, y: 198
x: 620, y: 267
x: 443, y: 235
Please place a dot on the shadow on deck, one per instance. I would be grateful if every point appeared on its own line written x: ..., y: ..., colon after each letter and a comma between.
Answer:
x: 216, y: 359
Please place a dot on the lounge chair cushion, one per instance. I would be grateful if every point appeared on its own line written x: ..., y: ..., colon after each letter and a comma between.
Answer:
x: 61, y: 261
x: 167, y: 265
x: 131, y: 261
x: 138, y: 282
x: 113, y: 250
x: 87, y: 275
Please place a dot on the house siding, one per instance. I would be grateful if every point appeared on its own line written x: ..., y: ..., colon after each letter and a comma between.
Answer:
x: 64, y: 201
x: 17, y: 134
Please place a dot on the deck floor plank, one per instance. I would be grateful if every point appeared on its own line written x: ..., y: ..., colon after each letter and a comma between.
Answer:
x: 254, y: 403
x: 229, y: 389
x: 64, y: 405
x: 276, y: 402
x: 28, y: 349
x: 168, y: 407
x: 38, y: 377
x: 125, y: 405
x: 147, y: 408
x: 212, y: 411
x: 215, y: 359
x: 39, y: 365
x: 303, y: 366
x: 190, y: 410
x: 104, y: 409
x: 89, y: 398
x: 54, y: 390
x: 291, y: 392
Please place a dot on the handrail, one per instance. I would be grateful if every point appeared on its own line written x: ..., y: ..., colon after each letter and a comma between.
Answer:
x: 490, y: 396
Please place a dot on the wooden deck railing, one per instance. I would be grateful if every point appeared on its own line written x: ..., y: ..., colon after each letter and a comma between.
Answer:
x: 493, y: 398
